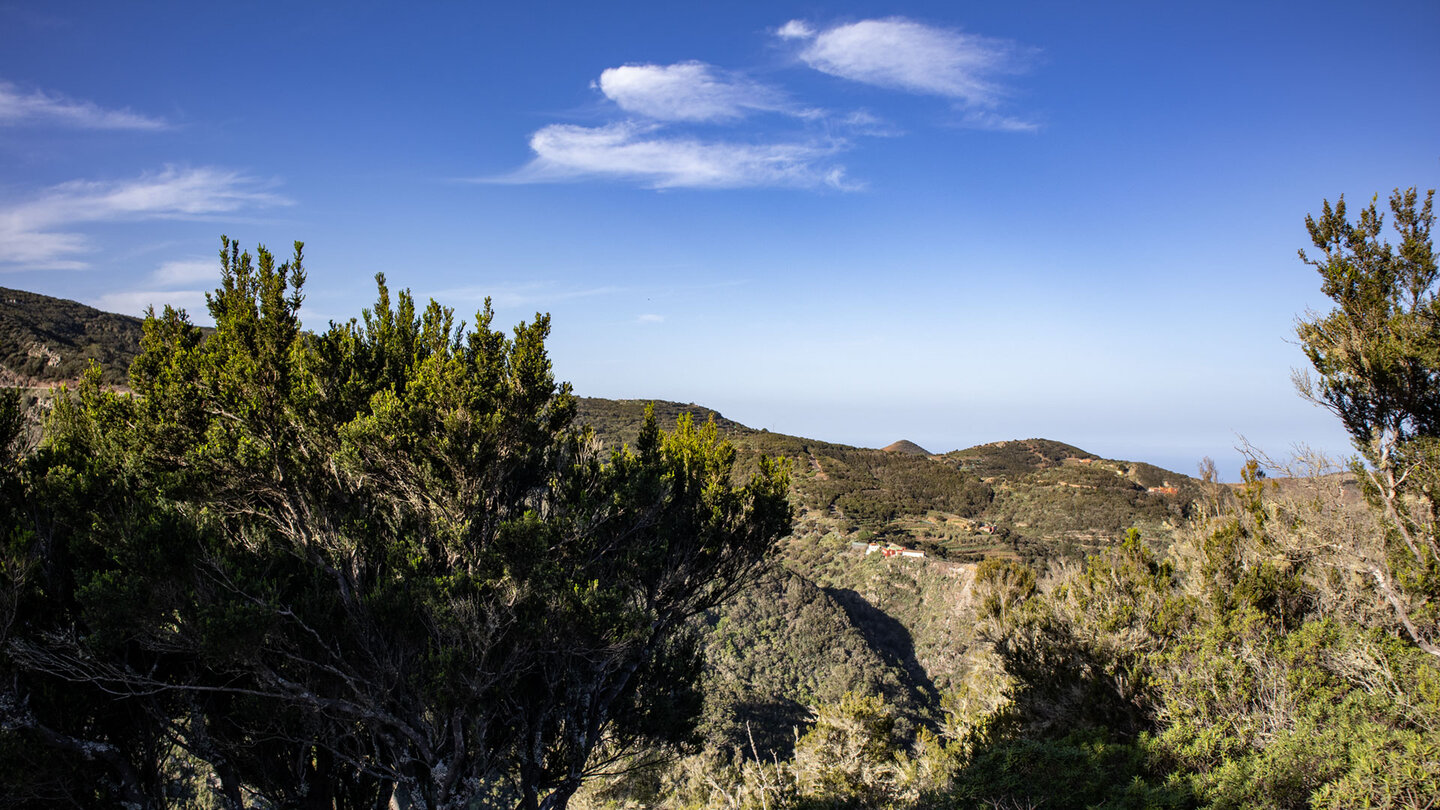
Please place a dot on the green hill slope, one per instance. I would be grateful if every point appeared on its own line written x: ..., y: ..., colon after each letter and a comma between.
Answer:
x: 45, y: 340
x: 780, y: 647
x: 1034, y: 498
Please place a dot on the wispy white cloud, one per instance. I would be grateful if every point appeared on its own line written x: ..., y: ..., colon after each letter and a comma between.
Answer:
x: 186, y: 271
x: 509, y: 295
x: 136, y: 301
x: 178, y: 273
x: 40, y: 233
x: 863, y: 122
x: 643, y: 154
x: 987, y: 119
x: 38, y: 250
x: 650, y: 317
x: 39, y: 107
x: 669, y: 138
x: 901, y: 54
x: 690, y: 91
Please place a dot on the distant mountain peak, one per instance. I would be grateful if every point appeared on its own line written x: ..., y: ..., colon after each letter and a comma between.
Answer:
x: 907, y: 447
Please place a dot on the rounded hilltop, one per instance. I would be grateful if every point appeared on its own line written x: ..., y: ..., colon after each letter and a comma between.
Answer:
x: 907, y: 447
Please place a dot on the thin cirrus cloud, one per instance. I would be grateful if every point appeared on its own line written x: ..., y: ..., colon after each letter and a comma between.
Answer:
x: 41, y: 108
x: 901, y: 54
x: 690, y: 91
x: 991, y: 120
x: 41, y: 233
x: 641, y: 153
x: 522, y: 294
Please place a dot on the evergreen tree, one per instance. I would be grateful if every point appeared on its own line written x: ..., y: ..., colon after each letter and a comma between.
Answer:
x: 1377, y: 354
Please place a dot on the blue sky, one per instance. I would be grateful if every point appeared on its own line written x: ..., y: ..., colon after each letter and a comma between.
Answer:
x: 858, y: 222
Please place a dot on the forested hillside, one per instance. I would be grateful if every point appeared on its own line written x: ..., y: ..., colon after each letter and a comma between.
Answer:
x: 1031, y: 498
x: 44, y: 340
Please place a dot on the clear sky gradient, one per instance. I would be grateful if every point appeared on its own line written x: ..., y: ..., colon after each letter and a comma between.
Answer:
x: 859, y: 222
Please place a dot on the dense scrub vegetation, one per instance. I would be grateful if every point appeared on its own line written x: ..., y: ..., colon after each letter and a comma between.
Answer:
x: 1031, y: 498
x: 1016, y: 458
x: 1086, y: 633
x: 781, y: 647
x: 1245, y: 668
